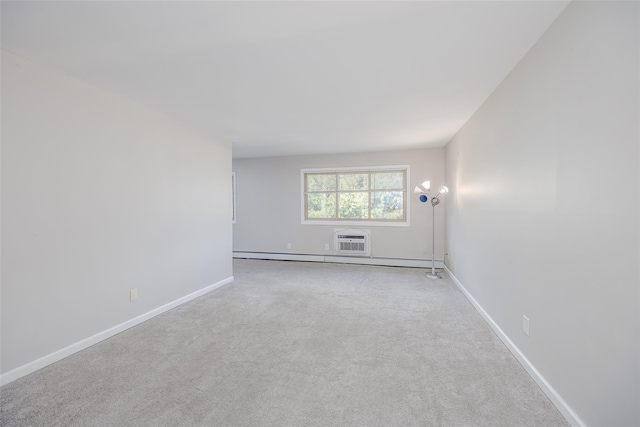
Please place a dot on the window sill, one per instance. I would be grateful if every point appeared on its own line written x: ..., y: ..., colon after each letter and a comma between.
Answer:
x: 358, y: 223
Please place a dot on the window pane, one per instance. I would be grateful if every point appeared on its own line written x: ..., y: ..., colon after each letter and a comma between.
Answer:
x: 353, y: 205
x: 387, y: 205
x: 354, y: 195
x: 321, y: 182
x: 321, y: 205
x: 387, y: 180
x: 354, y: 181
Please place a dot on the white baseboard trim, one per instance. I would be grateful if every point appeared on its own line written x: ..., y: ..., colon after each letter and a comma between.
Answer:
x: 390, y: 262
x: 551, y: 393
x: 101, y: 336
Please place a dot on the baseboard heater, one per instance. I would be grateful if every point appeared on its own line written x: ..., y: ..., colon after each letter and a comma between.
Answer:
x: 341, y: 259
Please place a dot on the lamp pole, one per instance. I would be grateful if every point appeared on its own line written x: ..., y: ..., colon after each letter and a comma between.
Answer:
x: 433, y: 274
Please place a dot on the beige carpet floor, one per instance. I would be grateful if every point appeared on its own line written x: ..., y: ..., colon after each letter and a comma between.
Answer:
x: 294, y: 344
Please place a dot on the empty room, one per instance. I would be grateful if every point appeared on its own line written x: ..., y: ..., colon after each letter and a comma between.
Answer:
x: 308, y: 213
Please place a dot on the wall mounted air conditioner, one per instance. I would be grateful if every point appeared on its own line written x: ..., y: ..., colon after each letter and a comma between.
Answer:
x: 351, y: 242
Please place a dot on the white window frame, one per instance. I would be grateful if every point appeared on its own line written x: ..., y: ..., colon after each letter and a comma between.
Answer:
x: 233, y: 195
x: 356, y: 223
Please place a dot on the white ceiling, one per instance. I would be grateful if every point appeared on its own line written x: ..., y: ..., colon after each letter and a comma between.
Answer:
x: 283, y: 78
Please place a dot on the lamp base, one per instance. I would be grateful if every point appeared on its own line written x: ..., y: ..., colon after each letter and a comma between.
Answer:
x: 433, y: 276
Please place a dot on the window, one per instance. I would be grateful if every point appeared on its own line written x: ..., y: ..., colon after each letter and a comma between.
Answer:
x: 233, y: 197
x: 374, y: 195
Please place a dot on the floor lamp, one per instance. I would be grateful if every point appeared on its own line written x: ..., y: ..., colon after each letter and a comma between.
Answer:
x: 424, y: 192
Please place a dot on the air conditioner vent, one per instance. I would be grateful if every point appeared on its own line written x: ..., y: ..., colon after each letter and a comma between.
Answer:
x: 351, y: 242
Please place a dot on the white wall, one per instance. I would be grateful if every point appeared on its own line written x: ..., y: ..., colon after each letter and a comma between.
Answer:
x: 543, y: 218
x: 99, y: 196
x: 269, y: 205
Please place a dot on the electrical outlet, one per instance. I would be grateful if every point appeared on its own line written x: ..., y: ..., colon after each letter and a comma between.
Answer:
x: 133, y: 295
x: 525, y: 325
x: 326, y: 247
x: 288, y: 245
